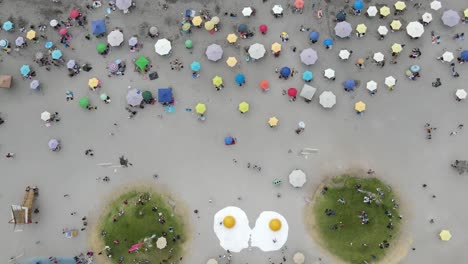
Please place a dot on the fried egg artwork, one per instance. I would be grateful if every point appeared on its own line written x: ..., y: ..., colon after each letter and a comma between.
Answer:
x: 270, y: 232
x: 231, y: 226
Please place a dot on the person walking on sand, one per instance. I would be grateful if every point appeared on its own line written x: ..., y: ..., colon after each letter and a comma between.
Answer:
x: 10, y: 155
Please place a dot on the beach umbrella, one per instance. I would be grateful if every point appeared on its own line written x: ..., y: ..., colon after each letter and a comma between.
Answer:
x: 341, y: 16
x: 71, y: 64
x: 39, y: 55
x: 195, y: 66
x: 344, y: 54
x: 19, y: 41
x: 263, y: 28
x: 343, y: 29
x: 448, y: 56
x: 307, y: 76
x: 7, y: 26
x: 329, y: 73
x: 142, y: 62
x: 436, y: 5
x: 93, y: 82
x: 25, y: 70
x: 307, y: 92
x: 384, y: 11
x: 200, y: 108
x: 378, y: 56
x: 427, y: 17
x: 217, y: 81
x: 464, y: 55
x: 132, y: 41
x: 358, y: 5
x: 285, y: 72
x: 123, y: 4
x: 48, y: 45
x: 83, y: 102
x: 465, y: 13
x: 371, y: 86
x: 63, y: 31
x: 400, y: 5
x: 445, y: 235
x: 240, y: 78
x: 461, y: 94
x: 189, y: 44
x: 163, y: 47
x: 349, y: 85
x: 103, y: 96
x: 3, y: 43
x: 31, y: 34
x: 390, y: 81
x: 231, y: 38
x: 276, y: 47
x: 153, y: 30
x: 34, y: 84
x: 361, y: 28
x: 247, y: 11
x: 314, y: 36
x: 113, y: 67
x: 74, y: 13
x: 212, y: 261
x: 115, y: 38
x: 135, y: 247
x: 228, y: 140
x: 53, y: 144
x: 273, y: 121
x: 215, y: 20
x: 297, y: 178
x: 98, y: 27
x: 147, y: 96
x: 299, y: 4
x: 360, y: 106
x: 264, y: 85
x: 327, y: 99
x: 165, y: 95
x: 56, y: 54
x: 396, y: 24
x: 101, y: 47
x: 214, y: 52
x: 298, y: 258
x: 450, y: 18
x: 257, y: 51
x: 134, y: 97
x: 161, y: 243
x: 209, y: 25
x: 415, y: 68
x: 53, y: 23
x: 292, y: 92
x: 186, y: 26
x: 372, y: 11
x: 244, y: 107
x: 309, y: 56
x: 242, y: 28
x: 328, y: 42
x: 397, y: 48
x: 45, y: 116
x: 383, y: 30
x: 415, y: 29
x: 277, y: 9
x: 197, y: 20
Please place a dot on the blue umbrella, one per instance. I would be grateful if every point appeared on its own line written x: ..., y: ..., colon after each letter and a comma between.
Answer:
x: 165, y: 95
x: 464, y: 55
x: 242, y: 28
x: 98, y: 27
x: 328, y: 42
x: 188, y: 13
x: 56, y: 54
x: 3, y: 43
x: 349, y: 85
x: 25, y: 70
x: 195, y: 66
x: 8, y: 25
x: 48, y: 45
x: 228, y: 140
x: 307, y: 76
x: 415, y: 68
x: 240, y: 78
x: 285, y: 71
x: 314, y: 35
x: 358, y: 5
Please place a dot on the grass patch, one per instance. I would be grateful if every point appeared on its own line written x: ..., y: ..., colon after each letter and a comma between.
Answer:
x: 344, y: 230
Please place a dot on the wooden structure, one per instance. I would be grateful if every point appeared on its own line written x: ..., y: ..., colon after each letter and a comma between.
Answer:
x: 5, y: 81
x: 22, y: 214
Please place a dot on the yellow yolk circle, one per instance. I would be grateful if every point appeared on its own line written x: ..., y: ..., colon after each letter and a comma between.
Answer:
x: 229, y: 221
x: 275, y: 224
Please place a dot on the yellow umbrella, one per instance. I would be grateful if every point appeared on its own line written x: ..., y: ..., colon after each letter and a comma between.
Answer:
x: 200, y: 108
x: 186, y: 26
x: 196, y: 21
x: 275, y: 47
x: 273, y: 121
x: 209, y: 25
x: 93, y: 82
x: 360, y: 106
x: 361, y: 28
x: 232, y: 38
x: 385, y: 11
x: 397, y: 48
x: 243, y: 107
x: 231, y: 61
x: 400, y: 5
x: 215, y: 20
x: 217, y: 81
x: 445, y: 235
x: 465, y: 12
x: 31, y: 34
x: 395, y: 25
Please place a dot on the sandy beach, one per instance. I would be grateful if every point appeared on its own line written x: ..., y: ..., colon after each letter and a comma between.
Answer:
x: 190, y: 157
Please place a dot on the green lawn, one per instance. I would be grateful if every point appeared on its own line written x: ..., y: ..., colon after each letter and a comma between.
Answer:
x: 343, y: 234
x: 139, y: 222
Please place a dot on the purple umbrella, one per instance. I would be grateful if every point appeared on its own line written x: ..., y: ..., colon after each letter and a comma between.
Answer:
x: 309, y: 56
x: 450, y: 18
x: 214, y: 52
x: 113, y: 67
x: 53, y: 144
x: 19, y: 41
x: 343, y: 29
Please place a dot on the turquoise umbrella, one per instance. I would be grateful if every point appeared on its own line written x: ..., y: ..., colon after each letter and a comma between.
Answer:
x: 195, y: 66
x: 307, y: 76
x: 56, y: 54
x: 25, y: 70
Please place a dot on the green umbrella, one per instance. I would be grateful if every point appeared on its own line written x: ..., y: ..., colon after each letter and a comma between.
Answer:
x: 142, y: 62
x: 101, y: 47
x: 103, y: 96
x: 147, y: 96
x: 84, y: 102
x: 188, y: 44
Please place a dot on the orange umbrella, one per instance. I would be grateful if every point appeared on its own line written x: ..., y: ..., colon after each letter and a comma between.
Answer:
x: 264, y: 85
x: 299, y: 3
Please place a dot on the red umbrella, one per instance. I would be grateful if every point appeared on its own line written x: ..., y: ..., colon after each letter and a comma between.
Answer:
x: 263, y: 28
x: 299, y: 3
x: 264, y: 85
x: 292, y: 92
x: 74, y: 13
x: 63, y: 31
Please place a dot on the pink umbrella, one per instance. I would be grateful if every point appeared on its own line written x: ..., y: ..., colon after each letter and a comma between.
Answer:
x: 292, y: 92
x: 74, y: 13
x: 63, y: 31
x: 263, y: 28
x: 299, y: 4
x: 135, y: 247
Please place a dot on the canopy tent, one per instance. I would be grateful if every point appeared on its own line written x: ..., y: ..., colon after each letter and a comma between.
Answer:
x: 307, y: 92
x: 98, y: 27
x: 165, y: 95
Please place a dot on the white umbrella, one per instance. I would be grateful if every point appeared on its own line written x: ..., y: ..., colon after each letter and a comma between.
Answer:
x: 390, y: 81
x: 257, y: 51
x: 450, y: 18
x: 301, y: 124
x: 214, y: 52
x: 378, y: 56
x: 415, y: 29
x: 132, y: 41
x: 247, y: 11
x: 277, y: 9
x: 448, y: 56
x: 162, y: 47
x: 344, y: 54
x: 329, y: 73
x: 436, y: 5
x: 123, y: 4
x: 115, y: 38
x: 298, y: 258
x: 461, y: 94
x: 45, y: 116
x: 343, y: 29
x: 53, y: 23
x: 327, y: 99
x: 212, y: 261
x: 297, y: 178
x: 161, y: 243
x: 71, y: 64
x: 427, y: 17
x: 372, y: 11
x: 307, y: 92
x: 371, y: 86
x: 383, y: 30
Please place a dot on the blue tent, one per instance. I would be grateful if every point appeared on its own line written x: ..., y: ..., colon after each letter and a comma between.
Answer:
x: 98, y: 27
x: 285, y: 71
x: 165, y: 95
x: 195, y: 66
x: 358, y: 5
x: 240, y: 78
x: 307, y: 76
x: 328, y: 42
x: 228, y: 140
x: 314, y: 35
x: 243, y: 28
x: 464, y: 55
x: 349, y: 85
